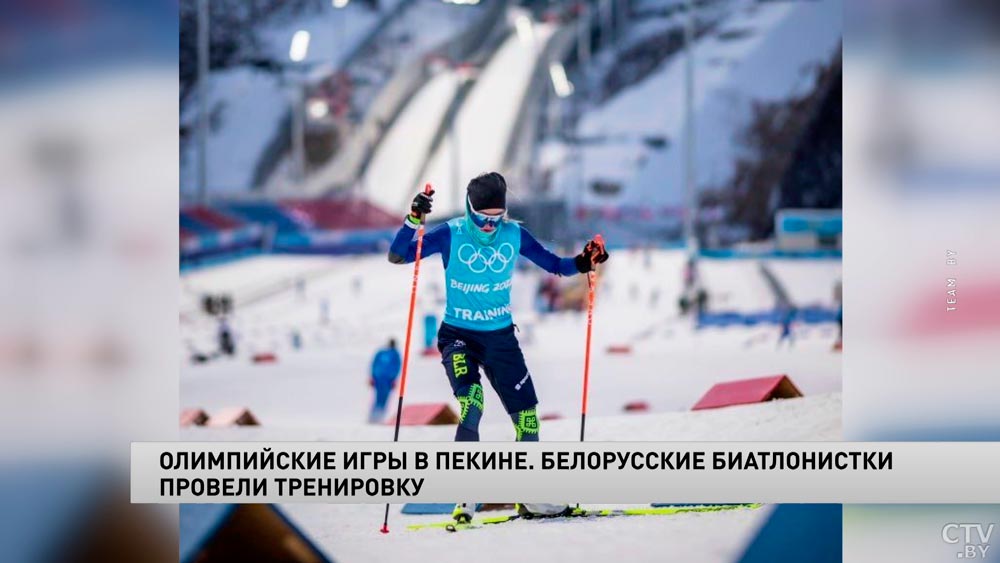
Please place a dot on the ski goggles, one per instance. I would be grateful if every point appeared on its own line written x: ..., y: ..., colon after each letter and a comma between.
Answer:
x: 482, y: 219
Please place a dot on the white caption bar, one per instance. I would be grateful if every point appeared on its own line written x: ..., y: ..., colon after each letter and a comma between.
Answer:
x: 600, y: 472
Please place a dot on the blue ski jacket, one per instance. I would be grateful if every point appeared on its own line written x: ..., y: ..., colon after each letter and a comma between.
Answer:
x: 478, y: 276
x: 385, y: 368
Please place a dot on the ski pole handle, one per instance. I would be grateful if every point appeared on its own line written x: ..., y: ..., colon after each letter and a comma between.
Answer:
x: 428, y: 191
x: 599, y: 241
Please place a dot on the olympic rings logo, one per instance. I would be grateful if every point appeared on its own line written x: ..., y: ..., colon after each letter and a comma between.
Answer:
x: 479, y: 260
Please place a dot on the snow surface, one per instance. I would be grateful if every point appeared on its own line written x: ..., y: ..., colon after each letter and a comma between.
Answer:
x: 671, y: 365
x: 807, y: 419
x: 247, y: 106
x: 350, y: 533
x: 736, y: 285
x: 808, y: 282
x: 321, y: 391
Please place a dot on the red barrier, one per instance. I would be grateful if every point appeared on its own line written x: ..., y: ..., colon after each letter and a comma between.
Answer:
x: 234, y: 416
x: 193, y: 417
x: 264, y: 358
x: 426, y: 414
x: 747, y: 391
x: 636, y: 406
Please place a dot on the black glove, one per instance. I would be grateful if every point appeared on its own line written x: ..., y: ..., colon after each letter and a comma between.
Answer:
x: 593, y: 253
x: 421, y: 206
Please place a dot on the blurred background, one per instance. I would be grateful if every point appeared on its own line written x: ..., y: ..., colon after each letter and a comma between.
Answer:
x: 108, y: 131
x: 921, y: 180
x: 88, y: 249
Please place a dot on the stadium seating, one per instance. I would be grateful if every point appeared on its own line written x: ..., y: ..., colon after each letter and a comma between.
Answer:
x: 213, y: 218
x: 340, y: 214
x: 193, y: 226
x: 266, y: 213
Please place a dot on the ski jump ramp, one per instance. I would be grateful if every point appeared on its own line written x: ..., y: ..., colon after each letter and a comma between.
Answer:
x: 484, y: 124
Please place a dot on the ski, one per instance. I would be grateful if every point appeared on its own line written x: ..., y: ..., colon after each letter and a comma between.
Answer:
x: 452, y: 526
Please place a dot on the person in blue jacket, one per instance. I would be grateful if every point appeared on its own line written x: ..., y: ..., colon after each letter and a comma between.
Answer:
x: 385, y: 370
x: 788, y: 314
x: 479, y: 251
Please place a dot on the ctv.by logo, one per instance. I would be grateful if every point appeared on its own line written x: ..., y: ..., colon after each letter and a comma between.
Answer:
x: 974, y: 539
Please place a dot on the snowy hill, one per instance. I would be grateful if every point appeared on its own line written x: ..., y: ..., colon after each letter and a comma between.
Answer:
x: 761, y: 52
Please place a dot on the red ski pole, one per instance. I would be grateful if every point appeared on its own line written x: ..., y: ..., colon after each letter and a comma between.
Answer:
x: 591, y: 283
x: 406, y: 346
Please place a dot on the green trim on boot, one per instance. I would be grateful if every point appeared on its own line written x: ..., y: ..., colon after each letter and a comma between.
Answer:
x: 526, y: 425
x: 474, y: 397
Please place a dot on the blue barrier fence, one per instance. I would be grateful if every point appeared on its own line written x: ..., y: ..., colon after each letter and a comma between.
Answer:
x: 237, y: 242
x: 807, y: 315
x: 211, y: 244
x: 334, y: 242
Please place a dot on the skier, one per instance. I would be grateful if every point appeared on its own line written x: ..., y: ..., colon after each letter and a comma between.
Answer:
x: 787, y: 318
x: 385, y: 370
x: 479, y: 251
x: 227, y: 343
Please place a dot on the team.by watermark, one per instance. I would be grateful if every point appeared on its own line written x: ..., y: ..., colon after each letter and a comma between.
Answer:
x: 973, y: 540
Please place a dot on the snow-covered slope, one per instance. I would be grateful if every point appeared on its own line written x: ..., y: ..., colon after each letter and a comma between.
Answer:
x: 763, y: 51
x: 325, y: 383
x: 349, y: 532
x: 321, y: 392
x: 813, y: 418
x: 247, y: 105
x: 808, y: 282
